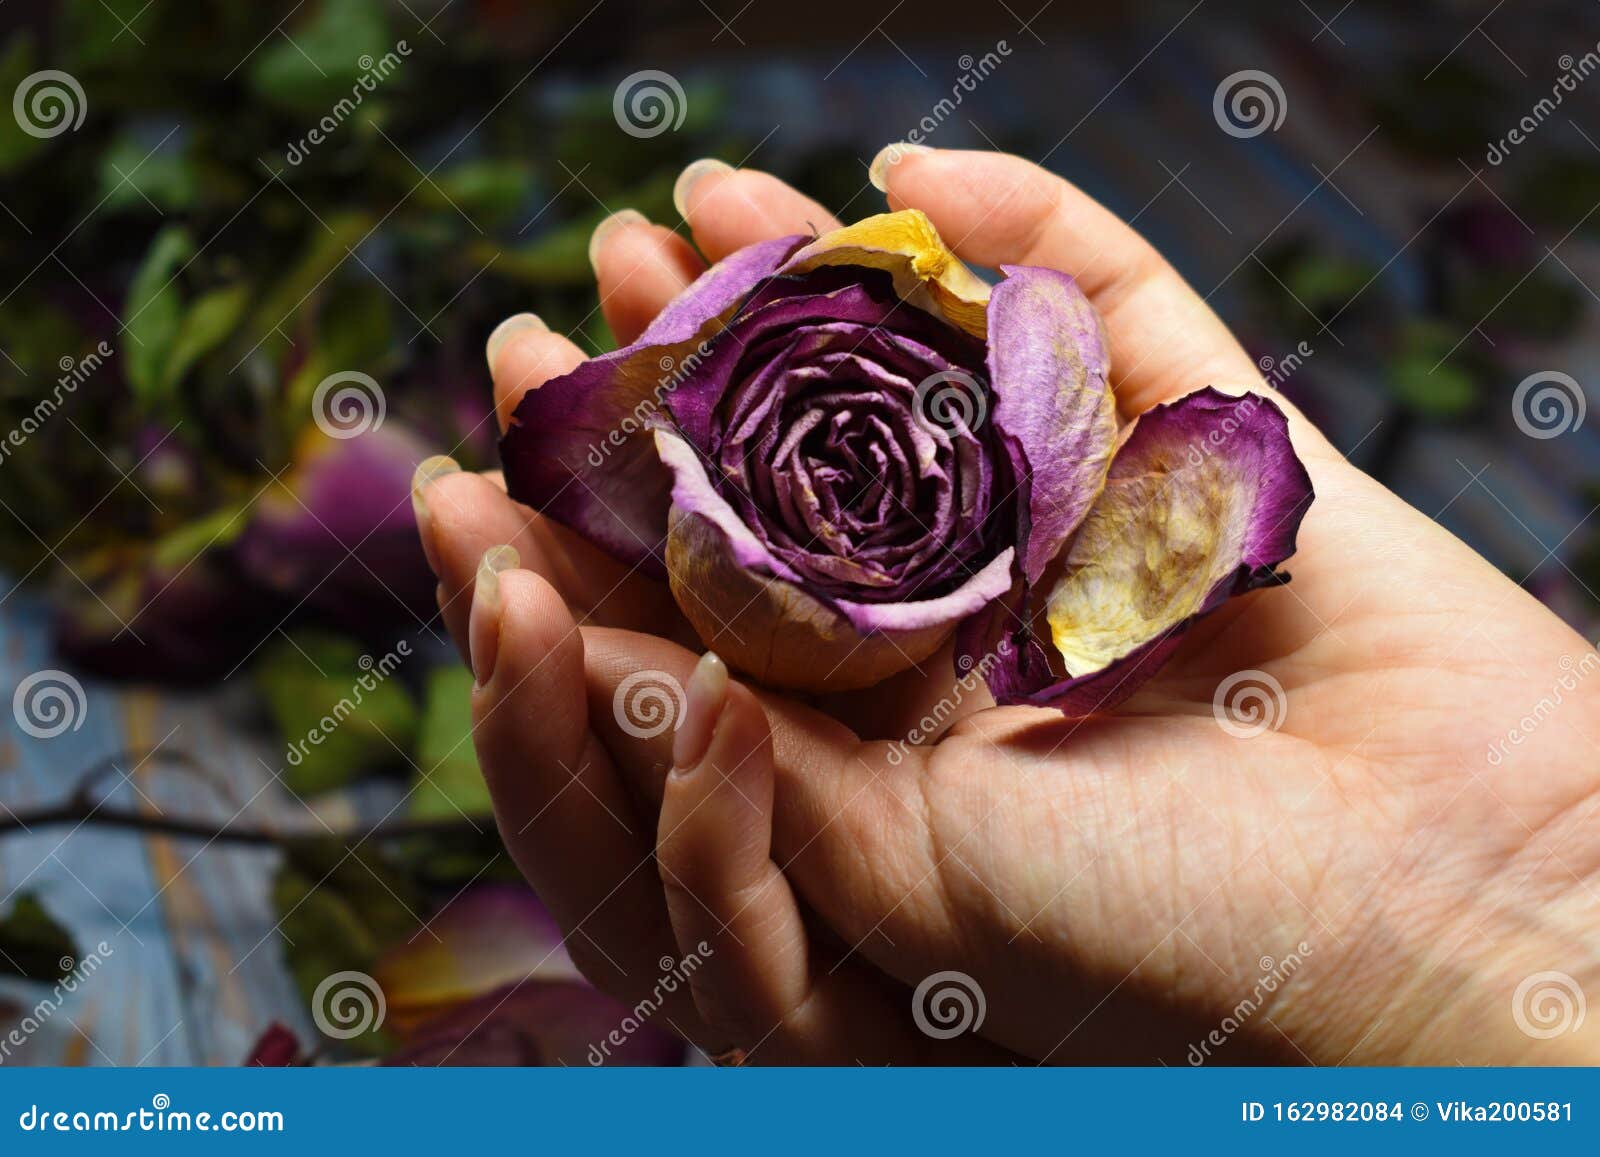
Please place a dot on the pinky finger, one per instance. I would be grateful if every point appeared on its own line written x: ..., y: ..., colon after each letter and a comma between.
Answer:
x: 733, y: 914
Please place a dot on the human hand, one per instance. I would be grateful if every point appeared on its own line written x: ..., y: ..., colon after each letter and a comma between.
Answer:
x: 1113, y: 885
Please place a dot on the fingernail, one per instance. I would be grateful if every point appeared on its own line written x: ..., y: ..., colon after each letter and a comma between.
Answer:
x: 705, y: 695
x: 878, y: 171
x: 429, y: 470
x: 508, y: 329
x: 609, y: 226
x: 484, y: 632
x: 686, y: 181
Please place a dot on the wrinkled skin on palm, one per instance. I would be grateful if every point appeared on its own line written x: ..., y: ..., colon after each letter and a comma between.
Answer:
x: 841, y: 451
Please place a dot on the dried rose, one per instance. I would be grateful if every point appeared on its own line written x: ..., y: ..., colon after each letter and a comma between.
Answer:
x: 839, y: 449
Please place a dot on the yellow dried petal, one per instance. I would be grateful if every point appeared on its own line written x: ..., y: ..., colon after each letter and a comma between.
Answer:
x: 907, y: 246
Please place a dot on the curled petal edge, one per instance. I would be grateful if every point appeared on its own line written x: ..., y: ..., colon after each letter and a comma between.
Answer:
x: 578, y: 448
x: 1203, y: 502
x: 905, y: 244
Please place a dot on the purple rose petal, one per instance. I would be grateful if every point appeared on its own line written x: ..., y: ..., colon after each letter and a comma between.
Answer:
x: 1202, y: 502
x: 1048, y: 364
x: 575, y: 449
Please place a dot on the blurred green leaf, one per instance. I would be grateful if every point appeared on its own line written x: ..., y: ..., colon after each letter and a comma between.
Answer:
x: 487, y: 191
x: 207, y: 323
x: 449, y: 783
x: 1324, y: 281
x: 1562, y: 191
x: 36, y: 334
x: 178, y: 548
x: 1428, y: 375
x: 317, y: 61
x: 340, y: 909
x: 355, y: 327
x: 328, y: 246
x: 340, y: 718
x: 32, y: 945
x: 355, y: 333
x: 1532, y: 306
x: 560, y: 256
x: 106, y: 33
x: 153, y: 314
x: 132, y: 177
x: 17, y: 62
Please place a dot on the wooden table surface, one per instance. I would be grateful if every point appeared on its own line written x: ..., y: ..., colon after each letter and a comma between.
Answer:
x: 195, y: 969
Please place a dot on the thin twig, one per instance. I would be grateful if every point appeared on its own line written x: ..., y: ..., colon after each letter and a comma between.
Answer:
x: 82, y: 808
